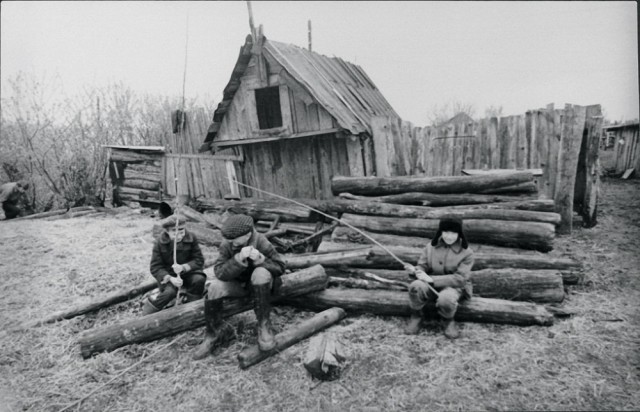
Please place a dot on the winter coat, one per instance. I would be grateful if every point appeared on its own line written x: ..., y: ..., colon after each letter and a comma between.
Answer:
x: 187, y: 252
x: 228, y: 268
x: 449, y: 266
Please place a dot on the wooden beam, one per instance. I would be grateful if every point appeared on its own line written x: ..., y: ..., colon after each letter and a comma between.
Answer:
x: 226, y: 143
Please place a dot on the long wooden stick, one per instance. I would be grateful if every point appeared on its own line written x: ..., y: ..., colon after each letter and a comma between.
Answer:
x: 337, y: 220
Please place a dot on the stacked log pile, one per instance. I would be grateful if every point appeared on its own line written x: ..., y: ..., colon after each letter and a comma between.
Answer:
x: 513, y: 275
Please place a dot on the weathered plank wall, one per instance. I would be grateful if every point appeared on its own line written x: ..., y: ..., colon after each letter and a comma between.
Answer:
x: 627, y: 149
x: 199, y: 175
x: 528, y: 141
x: 300, y: 168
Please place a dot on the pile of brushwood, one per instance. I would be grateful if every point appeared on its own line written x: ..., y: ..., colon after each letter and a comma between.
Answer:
x: 517, y: 277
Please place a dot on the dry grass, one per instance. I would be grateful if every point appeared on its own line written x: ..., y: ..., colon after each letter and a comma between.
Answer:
x: 588, y: 362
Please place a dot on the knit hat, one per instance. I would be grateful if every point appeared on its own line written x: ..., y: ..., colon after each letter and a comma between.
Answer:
x: 236, y: 226
x: 170, y: 222
x: 450, y: 224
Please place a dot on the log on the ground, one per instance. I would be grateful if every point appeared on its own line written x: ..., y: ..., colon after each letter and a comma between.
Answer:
x: 252, y: 355
x: 436, y: 200
x: 99, y: 303
x: 325, y: 357
x: 541, y: 286
x: 525, y: 235
x: 442, y: 184
x: 141, y: 194
x: 53, y: 213
x: 343, y: 234
x: 380, y: 259
x: 421, y: 212
x: 395, y: 303
x: 259, y: 209
x: 189, y: 316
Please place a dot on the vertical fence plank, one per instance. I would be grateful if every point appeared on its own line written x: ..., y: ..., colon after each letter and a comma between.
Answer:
x: 382, y: 148
x: 572, y: 132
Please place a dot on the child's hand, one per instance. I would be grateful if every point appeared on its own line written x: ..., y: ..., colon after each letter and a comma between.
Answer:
x: 177, y: 268
x: 177, y: 282
x: 245, y: 252
x: 421, y: 275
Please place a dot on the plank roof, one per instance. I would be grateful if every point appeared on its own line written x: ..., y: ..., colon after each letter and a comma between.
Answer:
x: 343, y: 89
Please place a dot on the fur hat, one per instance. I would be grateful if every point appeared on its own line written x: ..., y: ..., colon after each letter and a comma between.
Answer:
x: 170, y: 222
x: 236, y: 226
x: 450, y: 224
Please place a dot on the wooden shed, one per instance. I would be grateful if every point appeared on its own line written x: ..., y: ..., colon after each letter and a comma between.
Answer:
x: 136, y: 174
x: 626, y: 146
x: 297, y: 118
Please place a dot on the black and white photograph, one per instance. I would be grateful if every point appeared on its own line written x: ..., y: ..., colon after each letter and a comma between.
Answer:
x: 329, y: 206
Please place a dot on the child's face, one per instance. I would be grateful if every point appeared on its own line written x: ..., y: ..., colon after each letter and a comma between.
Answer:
x: 177, y: 234
x: 241, y: 240
x: 449, y: 237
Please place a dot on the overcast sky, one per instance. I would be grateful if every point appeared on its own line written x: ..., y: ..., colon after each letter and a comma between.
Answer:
x: 519, y: 55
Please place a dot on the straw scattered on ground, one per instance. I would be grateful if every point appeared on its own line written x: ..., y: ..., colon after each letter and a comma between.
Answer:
x: 590, y: 361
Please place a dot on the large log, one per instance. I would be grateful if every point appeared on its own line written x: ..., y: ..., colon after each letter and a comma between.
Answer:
x: 541, y: 286
x: 139, y: 193
x: 442, y: 184
x: 259, y: 209
x: 380, y: 259
x: 534, y: 205
x: 435, y: 200
x: 526, y: 189
x: 137, y: 175
x: 252, y: 355
x: 142, y: 184
x: 525, y: 235
x: 396, y: 303
x: 188, y: 316
x: 343, y: 234
x: 131, y: 156
x: 331, y: 258
x: 325, y: 357
x: 421, y: 212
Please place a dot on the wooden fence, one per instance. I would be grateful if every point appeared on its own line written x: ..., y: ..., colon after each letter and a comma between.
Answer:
x: 561, y: 142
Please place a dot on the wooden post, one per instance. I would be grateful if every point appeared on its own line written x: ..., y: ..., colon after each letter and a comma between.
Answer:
x: 588, y: 177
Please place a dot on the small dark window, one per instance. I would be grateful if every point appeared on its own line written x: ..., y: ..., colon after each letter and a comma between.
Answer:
x: 268, y: 106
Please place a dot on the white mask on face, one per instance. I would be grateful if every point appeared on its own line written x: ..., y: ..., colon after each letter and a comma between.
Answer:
x: 449, y: 237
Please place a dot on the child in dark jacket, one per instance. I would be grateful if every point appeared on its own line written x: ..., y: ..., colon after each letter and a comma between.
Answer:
x: 445, y: 265
x: 248, y: 264
x: 187, y: 270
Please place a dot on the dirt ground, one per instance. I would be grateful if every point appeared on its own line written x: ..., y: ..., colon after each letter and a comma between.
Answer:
x: 590, y: 361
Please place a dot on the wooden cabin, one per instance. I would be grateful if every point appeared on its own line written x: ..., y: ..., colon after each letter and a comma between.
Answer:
x: 626, y: 147
x: 297, y: 118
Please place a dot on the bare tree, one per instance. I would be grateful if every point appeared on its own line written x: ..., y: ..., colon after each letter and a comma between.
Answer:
x: 442, y: 113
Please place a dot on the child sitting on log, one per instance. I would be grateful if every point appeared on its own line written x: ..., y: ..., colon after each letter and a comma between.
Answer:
x: 248, y: 265
x: 171, y: 276
x: 444, y: 265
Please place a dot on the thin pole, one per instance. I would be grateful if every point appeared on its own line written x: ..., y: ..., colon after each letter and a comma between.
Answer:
x: 251, y: 26
x: 337, y: 220
x: 309, y: 31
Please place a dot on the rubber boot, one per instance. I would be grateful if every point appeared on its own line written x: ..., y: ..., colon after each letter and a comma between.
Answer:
x: 148, y: 308
x: 450, y: 329
x: 215, y: 331
x: 262, y: 308
x: 413, y: 327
